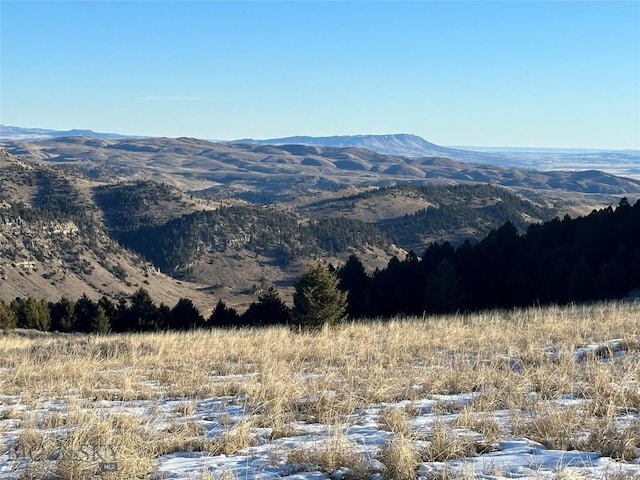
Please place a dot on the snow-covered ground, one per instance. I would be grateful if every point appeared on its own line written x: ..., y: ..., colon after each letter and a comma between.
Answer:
x: 272, y: 456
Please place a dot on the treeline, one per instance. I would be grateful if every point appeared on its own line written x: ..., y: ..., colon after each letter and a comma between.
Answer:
x: 589, y: 258
x: 138, y: 313
x: 317, y: 300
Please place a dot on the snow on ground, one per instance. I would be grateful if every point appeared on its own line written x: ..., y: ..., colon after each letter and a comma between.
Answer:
x: 511, y: 457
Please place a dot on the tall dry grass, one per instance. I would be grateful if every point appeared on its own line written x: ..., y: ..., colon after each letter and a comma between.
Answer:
x: 519, y: 359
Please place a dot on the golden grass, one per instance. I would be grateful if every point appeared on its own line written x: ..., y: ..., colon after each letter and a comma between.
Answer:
x: 395, y: 421
x: 336, y: 452
x: 401, y: 458
x: 519, y: 359
x: 558, y: 429
x: 444, y: 443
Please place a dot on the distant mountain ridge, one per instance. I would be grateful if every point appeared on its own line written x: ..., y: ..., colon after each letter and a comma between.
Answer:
x: 265, y: 173
x: 403, y: 144
x: 9, y: 134
x: 618, y: 162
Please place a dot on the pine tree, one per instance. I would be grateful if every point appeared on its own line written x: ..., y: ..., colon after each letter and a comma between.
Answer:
x: 100, y: 322
x: 443, y: 292
x: 62, y: 315
x: 268, y: 310
x: 355, y: 281
x: 7, y: 317
x: 143, y: 313
x: 317, y: 300
x: 223, y: 316
x: 164, y: 317
x: 86, y: 311
x: 110, y: 310
x: 185, y: 315
x: 32, y: 313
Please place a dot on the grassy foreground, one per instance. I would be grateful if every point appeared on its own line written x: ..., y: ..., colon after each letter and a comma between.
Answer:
x: 59, y: 393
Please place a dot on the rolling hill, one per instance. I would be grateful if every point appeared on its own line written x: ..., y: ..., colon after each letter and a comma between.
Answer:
x: 207, y: 220
x: 617, y: 162
x: 266, y: 173
x: 52, y: 242
x: 63, y: 233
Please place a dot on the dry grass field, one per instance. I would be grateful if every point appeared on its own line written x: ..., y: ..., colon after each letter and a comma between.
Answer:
x: 537, y: 393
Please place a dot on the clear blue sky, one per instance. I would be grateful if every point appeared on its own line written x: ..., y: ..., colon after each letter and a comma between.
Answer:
x: 456, y: 73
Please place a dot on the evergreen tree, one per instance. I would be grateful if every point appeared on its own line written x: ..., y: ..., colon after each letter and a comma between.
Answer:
x: 7, y: 317
x: 223, y: 316
x: 86, y: 312
x: 164, y: 317
x: 317, y: 300
x: 142, y: 313
x: 110, y: 310
x: 185, y: 316
x: 268, y: 310
x: 355, y: 281
x: 62, y: 315
x: 100, y: 322
x: 388, y: 290
x: 121, y: 318
x: 31, y: 313
x: 443, y: 292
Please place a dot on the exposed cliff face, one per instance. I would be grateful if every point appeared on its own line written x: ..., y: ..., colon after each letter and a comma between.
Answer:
x: 49, y: 249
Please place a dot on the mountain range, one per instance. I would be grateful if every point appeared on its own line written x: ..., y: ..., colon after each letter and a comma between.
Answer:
x: 618, y: 162
x: 397, y: 144
x: 268, y: 173
x: 9, y: 134
x: 209, y: 220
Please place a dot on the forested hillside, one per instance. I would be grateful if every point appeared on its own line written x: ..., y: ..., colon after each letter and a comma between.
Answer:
x: 144, y: 217
x: 62, y: 233
x: 591, y: 258
x: 450, y: 212
x: 570, y: 260
x: 129, y: 206
x: 284, y: 236
x: 53, y: 241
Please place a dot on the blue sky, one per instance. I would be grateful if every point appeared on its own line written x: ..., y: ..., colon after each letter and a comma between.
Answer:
x: 553, y: 74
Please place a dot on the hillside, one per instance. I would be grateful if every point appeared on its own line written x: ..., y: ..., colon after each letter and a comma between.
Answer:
x: 416, y: 216
x: 62, y: 234
x: 127, y: 206
x: 617, y: 162
x: 209, y: 220
x: 267, y: 173
x: 52, y: 242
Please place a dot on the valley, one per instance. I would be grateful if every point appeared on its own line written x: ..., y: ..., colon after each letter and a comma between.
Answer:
x: 184, y: 217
